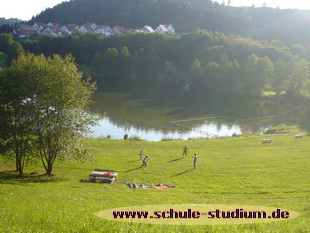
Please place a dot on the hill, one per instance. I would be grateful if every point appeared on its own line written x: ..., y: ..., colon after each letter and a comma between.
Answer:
x: 11, y: 21
x: 288, y: 26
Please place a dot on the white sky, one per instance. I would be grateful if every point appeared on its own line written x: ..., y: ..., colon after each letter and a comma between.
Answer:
x: 25, y: 9
x: 282, y: 4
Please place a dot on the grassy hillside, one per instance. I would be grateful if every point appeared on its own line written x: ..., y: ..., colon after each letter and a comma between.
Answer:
x: 241, y: 171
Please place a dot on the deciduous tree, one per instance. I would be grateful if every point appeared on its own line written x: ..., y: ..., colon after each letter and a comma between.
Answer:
x: 17, y: 114
x: 45, y: 101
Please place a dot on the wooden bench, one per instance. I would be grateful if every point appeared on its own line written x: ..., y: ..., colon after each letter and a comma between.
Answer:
x: 267, y: 140
x: 299, y: 136
x: 103, y: 176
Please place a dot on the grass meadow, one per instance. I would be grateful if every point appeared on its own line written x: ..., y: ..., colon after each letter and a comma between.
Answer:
x: 239, y: 171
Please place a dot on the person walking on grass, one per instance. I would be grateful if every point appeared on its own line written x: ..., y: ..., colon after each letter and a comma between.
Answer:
x: 141, y: 155
x: 144, y: 161
x: 185, y: 151
x: 195, y: 161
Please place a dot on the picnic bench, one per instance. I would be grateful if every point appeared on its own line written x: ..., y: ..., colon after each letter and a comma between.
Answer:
x: 267, y: 140
x: 103, y: 176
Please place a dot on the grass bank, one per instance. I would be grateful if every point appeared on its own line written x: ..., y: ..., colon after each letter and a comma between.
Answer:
x: 240, y: 171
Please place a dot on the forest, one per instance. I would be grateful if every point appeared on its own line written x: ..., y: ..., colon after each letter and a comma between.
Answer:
x: 258, y: 22
x: 201, y: 61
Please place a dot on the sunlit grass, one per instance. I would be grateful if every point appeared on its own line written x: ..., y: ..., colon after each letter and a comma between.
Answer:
x: 242, y: 171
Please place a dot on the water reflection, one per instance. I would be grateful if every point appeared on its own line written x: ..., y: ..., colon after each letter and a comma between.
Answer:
x: 153, y: 116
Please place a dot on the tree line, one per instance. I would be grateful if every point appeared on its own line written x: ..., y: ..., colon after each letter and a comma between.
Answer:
x: 206, y: 62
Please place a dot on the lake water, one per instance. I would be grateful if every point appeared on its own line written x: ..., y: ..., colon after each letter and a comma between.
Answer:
x: 154, y: 117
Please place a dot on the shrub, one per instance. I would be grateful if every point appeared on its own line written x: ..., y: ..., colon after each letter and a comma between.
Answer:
x: 278, y: 129
x: 135, y: 137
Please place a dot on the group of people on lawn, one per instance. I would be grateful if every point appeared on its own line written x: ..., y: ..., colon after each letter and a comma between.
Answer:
x: 185, y: 152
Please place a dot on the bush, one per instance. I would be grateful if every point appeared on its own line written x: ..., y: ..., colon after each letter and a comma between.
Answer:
x: 135, y: 137
x: 278, y: 129
x: 169, y: 139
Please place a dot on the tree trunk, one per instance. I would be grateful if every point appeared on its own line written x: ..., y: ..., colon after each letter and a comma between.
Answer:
x: 19, y: 165
x: 16, y: 164
x: 21, y: 172
x: 49, y: 168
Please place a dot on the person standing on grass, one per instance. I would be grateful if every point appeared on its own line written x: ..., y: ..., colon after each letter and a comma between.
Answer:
x: 185, y: 151
x: 141, y: 155
x: 144, y: 161
x: 195, y: 161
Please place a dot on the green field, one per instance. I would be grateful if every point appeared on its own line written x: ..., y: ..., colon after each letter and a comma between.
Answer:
x: 239, y: 171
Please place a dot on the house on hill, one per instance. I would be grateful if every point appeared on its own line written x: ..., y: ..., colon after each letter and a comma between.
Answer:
x: 53, y: 28
x: 87, y: 27
x: 55, y: 31
x: 24, y: 30
x: 147, y: 29
x: 70, y: 28
x: 119, y: 29
x: 39, y: 26
x: 54, y: 24
x: 170, y: 28
x: 165, y: 29
x: 161, y: 28
x: 105, y: 30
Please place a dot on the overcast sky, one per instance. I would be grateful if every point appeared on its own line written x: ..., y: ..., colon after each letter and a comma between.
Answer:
x: 283, y: 4
x: 25, y: 9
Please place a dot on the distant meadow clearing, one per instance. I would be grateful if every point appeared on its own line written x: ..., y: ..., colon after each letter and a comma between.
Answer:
x: 234, y: 171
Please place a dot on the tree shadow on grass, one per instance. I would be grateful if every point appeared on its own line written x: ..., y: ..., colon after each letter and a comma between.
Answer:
x: 305, y: 126
x: 181, y: 173
x: 134, y: 169
x: 174, y: 160
x: 133, y: 161
x: 12, y: 177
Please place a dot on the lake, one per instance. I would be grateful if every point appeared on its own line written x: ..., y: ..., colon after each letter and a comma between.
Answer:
x: 158, y: 115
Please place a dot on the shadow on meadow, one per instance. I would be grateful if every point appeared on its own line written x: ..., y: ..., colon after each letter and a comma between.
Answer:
x: 306, y: 127
x: 134, y: 169
x: 12, y: 177
x: 181, y: 173
x: 174, y: 160
x: 134, y: 161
